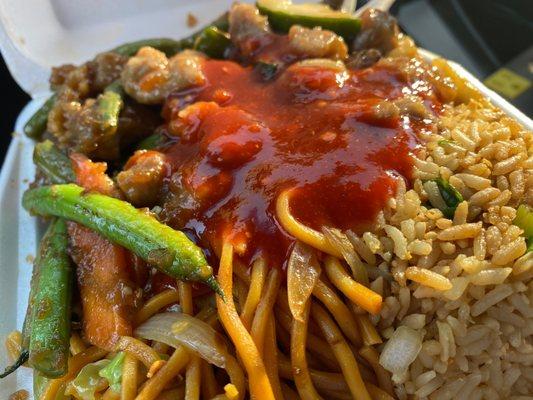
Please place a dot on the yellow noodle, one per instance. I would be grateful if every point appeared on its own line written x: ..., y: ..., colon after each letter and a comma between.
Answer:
x: 300, y: 231
x: 314, y: 344
x: 192, y: 375
x: 271, y: 356
x: 209, y: 382
x: 236, y: 375
x: 359, y: 294
x: 259, y: 272
x: 378, y: 393
x: 384, y: 379
x: 156, y: 303
x: 322, y: 380
x: 302, y: 379
x: 242, y: 271
x: 161, y: 348
x: 140, y: 350
x: 339, y: 310
x: 77, y: 345
x: 75, y: 364
x: 260, y: 387
x: 173, y: 394
x: 129, y: 378
x: 342, y: 352
x: 368, y: 331
x: 264, y: 309
x: 240, y: 293
x: 289, y: 393
x: 172, y: 368
x: 110, y: 394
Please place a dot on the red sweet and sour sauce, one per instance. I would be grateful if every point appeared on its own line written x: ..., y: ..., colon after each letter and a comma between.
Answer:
x: 241, y: 141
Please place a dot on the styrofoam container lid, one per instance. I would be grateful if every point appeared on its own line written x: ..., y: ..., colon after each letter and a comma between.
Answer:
x: 38, y: 34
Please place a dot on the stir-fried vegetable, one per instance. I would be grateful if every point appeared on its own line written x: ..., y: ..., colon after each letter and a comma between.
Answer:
x: 53, y: 163
x: 267, y: 70
x: 179, y: 329
x: 50, y: 326
x: 400, y: 351
x: 151, y: 142
x: 23, y: 357
x: 213, y: 42
x: 170, y: 46
x: 88, y: 382
x: 303, y: 271
x: 165, y: 248
x: 36, y: 125
x: 443, y: 196
x: 524, y: 220
x: 113, y: 372
x: 282, y: 14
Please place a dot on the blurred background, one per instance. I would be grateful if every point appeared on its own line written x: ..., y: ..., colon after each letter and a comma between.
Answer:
x: 491, y: 38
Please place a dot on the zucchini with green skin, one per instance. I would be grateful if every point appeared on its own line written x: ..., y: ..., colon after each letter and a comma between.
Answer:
x: 282, y: 14
x: 55, y: 165
x: 36, y: 125
x: 161, y: 246
x: 213, y: 42
x: 50, y: 318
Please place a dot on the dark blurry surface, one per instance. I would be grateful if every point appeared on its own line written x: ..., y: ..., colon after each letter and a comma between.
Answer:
x: 13, y: 99
x: 491, y: 38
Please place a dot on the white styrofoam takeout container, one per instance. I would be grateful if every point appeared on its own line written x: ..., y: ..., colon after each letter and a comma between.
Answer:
x: 38, y: 34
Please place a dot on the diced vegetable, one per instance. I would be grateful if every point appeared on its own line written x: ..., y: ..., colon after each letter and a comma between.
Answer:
x: 50, y: 326
x: 109, y: 106
x: 447, y: 199
x: 400, y: 351
x: 36, y: 125
x: 113, y: 372
x: 524, y: 219
x: 151, y: 142
x: 165, y: 248
x: 282, y: 14
x: 267, y: 70
x: 213, y: 42
x: 53, y: 163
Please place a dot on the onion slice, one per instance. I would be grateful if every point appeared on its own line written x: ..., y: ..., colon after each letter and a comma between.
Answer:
x: 400, y: 351
x: 303, y: 270
x: 178, y: 329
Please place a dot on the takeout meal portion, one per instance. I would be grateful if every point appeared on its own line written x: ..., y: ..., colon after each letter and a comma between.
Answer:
x: 291, y: 203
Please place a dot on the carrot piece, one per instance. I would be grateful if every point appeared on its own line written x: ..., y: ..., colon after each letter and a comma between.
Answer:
x: 106, y: 289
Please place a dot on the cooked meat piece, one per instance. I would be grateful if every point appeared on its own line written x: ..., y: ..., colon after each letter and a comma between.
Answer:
x: 89, y: 78
x: 77, y: 126
x: 180, y: 204
x: 92, y: 176
x: 379, y: 31
x: 363, y: 59
x: 317, y: 43
x: 248, y: 29
x: 142, y: 177
x: 107, y: 68
x: 149, y: 76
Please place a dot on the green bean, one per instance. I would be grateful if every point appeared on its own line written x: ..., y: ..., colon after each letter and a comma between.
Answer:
x: 170, y: 46
x: 109, y: 105
x: 50, y: 326
x: 161, y: 246
x: 36, y: 125
x: 55, y: 165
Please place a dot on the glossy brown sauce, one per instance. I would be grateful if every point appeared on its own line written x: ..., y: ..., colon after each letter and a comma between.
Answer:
x: 314, y: 129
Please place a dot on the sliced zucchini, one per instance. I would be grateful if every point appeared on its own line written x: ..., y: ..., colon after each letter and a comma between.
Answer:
x: 282, y: 14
